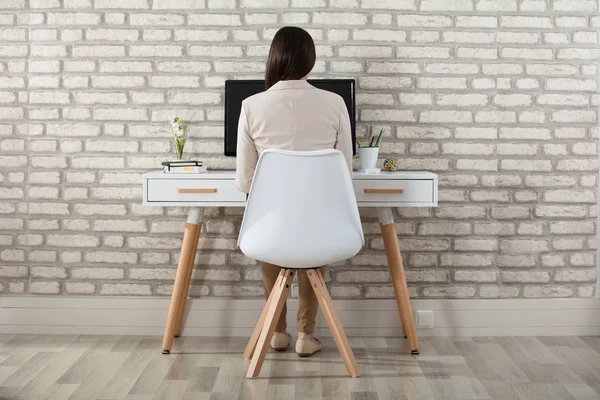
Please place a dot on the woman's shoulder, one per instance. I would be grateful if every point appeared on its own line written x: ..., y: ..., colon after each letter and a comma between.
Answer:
x: 333, y: 97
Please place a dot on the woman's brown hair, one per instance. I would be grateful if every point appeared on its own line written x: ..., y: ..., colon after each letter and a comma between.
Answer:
x: 292, y: 55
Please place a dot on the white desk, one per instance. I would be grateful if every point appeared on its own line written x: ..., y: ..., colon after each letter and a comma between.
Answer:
x: 218, y: 189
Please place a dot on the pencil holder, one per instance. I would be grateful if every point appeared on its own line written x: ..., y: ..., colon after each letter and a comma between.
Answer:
x: 368, y: 157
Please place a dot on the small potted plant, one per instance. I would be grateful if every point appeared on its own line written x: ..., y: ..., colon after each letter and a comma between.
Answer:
x: 178, y: 139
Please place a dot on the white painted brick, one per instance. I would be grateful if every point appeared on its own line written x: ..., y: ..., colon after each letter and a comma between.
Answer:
x: 526, y: 22
x: 180, y: 4
x: 424, y: 36
x: 216, y: 51
x: 423, y: 52
x: 513, y: 100
x: 525, y: 276
x: 115, y: 18
x: 156, y: 51
x: 517, y: 37
x: 446, y: 5
x: 532, y: 117
x: 571, y: 84
x: 441, y: 83
x: 475, y: 276
x: 583, y: 259
x: 476, y: 22
x: 415, y: 99
x: 125, y: 289
x: 467, y: 148
x: 476, y: 245
x: 489, y: 291
x: 73, y: 18
x: 477, y: 165
x: 533, y: 5
x: 162, y: 19
x: 44, y: 287
x: 389, y: 4
x: 385, y: 67
x: 152, y: 35
x: 575, y: 275
x: 384, y: 82
x: 523, y: 246
x: 379, y: 35
x: 450, y: 291
x: 585, y: 37
x: 365, y: 51
x: 445, y: 116
x: 80, y: 287
x: 495, y: 117
x: 547, y: 291
x: 528, y: 54
x: 456, y: 68
x: 112, y: 34
x: 385, y: 292
x: 424, y: 148
x: 221, y: 3
x: 214, y: 19
x: 472, y: 52
x: 578, y: 6
x: 124, y: 4
x: 574, y: 116
x: 496, y: 5
x: 422, y: 21
x: 578, y: 54
x: 468, y: 37
x: 388, y: 115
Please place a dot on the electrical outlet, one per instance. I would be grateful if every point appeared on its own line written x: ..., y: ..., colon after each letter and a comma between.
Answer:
x: 424, y: 319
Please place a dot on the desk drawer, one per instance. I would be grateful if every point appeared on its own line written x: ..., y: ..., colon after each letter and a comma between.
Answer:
x: 194, y: 190
x: 394, y: 191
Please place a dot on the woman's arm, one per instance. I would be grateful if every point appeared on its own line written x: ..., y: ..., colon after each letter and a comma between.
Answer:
x: 344, y: 138
x: 247, y: 156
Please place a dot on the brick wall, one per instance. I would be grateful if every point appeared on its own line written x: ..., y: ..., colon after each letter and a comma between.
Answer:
x: 497, y: 96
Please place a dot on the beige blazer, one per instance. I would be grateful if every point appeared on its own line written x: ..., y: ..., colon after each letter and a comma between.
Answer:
x: 291, y: 115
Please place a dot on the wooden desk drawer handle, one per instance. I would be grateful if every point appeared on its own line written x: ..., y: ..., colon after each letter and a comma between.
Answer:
x: 385, y: 191
x: 196, y: 190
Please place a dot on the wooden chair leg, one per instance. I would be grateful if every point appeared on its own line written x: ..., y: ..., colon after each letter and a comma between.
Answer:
x: 392, y: 249
x: 318, y: 284
x: 261, y: 322
x: 185, y: 262
x: 186, y: 285
x: 280, y: 292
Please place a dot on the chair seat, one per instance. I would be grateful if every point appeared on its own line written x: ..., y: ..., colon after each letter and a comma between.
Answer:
x: 287, y: 241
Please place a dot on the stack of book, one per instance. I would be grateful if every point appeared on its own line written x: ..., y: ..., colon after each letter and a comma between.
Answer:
x: 183, y: 167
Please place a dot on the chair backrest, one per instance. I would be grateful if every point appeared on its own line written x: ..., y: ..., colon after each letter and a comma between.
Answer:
x: 301, y: 211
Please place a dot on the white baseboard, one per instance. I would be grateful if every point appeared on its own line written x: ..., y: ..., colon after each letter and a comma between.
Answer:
x: 236, y: 317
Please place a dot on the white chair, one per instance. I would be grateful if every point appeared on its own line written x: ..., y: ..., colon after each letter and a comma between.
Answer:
x: 301, y: 214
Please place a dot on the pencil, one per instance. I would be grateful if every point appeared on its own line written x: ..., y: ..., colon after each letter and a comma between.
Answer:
x: 379, y: 138
x: 370, y: 142
x: 358, y: 142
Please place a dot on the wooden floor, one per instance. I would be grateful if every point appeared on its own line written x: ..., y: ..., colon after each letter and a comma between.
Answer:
x: 64, y: 367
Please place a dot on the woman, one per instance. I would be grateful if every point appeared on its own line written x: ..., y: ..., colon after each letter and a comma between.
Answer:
x: 291, y: 115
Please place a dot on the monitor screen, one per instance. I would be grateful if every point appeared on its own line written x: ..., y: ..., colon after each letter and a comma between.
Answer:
x: 237, y: 91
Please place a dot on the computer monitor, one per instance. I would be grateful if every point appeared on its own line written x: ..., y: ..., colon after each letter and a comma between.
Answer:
x: 238, y: 90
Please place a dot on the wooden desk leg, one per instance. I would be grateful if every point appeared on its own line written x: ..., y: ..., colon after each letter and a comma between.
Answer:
x: 392, y: 249
x: 188, y: 278
x: 186, y: 260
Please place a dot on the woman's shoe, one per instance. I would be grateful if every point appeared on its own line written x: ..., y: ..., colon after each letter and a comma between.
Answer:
x: 280, y: 341
x: 308, y: 346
